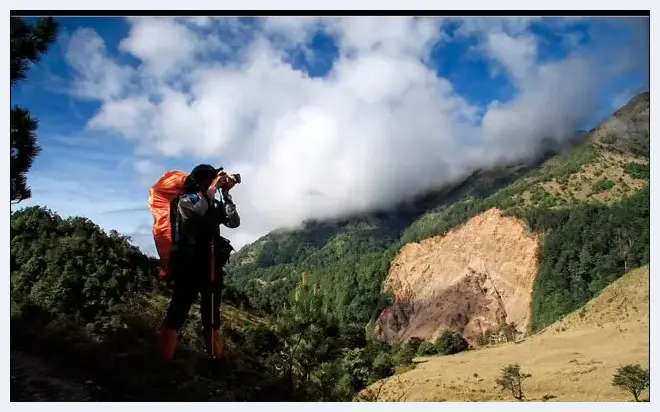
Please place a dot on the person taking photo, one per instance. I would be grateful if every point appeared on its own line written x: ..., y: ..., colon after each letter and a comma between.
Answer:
x: 198, y: 255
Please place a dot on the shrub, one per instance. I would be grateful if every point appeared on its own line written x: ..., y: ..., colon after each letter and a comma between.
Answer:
x: 415, y: 343
x: 383, y: 365
x: 427, y: 348
x: 450, y: 343
x: 404, y: 355
x: 483, y: 339
x: 637, y: 170
x: 601, y: 186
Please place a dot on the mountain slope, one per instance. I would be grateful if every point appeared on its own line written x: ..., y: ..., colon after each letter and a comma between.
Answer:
x: 588, y: 205
x: 589, y: 214
x: 572, y: 360
x: 347, y: 258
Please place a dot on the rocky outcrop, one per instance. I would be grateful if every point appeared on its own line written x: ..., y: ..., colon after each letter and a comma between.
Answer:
x: 470, y: 280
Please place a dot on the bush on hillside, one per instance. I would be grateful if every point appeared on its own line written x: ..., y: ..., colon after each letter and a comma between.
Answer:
x: 601, y: 186
x: 483, y: 339
x: 404, y: 354
x: 511, y: 380
x: 383, y: 365
x: 637, y: 170
x: 632, y: 378
x: 427, y: 348
x: 450, y: 343
x: 414, y: 343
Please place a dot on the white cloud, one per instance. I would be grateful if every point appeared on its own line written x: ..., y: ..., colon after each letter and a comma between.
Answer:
x: 96, y: 75
x: 148, y: 171
x: 380, y: 127
x: 517, y: 54
x: 513, y: 26
x: 164, y: 45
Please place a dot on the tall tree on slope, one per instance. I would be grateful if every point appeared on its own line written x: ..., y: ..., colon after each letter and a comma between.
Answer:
x: 28, y: 43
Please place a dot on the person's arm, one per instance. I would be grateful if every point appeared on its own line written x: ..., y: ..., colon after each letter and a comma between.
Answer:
x: 191, y: 209
x: 232, y: 218
x: 226, y: 210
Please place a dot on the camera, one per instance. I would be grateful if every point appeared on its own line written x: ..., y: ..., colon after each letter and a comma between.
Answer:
x: 236, y: 177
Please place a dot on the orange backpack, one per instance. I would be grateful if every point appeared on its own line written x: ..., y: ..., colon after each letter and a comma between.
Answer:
x: 161, y: 195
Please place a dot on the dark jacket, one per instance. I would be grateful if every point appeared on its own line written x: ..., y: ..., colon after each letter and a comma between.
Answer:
x: 197, y: 224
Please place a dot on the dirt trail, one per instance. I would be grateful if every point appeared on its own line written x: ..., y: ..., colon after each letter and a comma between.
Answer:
x: 32, y: 380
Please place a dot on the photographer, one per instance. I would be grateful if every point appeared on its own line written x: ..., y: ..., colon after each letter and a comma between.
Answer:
x: 199, y: 254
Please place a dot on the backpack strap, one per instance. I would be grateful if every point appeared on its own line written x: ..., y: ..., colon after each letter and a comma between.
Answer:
x: 175, y: 221
x: 193, y: 197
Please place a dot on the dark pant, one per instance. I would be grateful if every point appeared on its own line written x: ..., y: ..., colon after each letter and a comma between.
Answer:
x: 187, y: 286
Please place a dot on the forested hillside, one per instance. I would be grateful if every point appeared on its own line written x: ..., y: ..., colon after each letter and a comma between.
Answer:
x: 86, y: 311
x: 593, y: 197
x: 348, y: 259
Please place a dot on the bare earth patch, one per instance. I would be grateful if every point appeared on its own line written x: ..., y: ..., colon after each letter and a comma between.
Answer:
x: 469, y: 280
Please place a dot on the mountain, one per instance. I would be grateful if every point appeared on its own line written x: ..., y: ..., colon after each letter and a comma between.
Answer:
x: 485, y: 274
x: 572, y: 360
x: 524, y: 243
x: 320, y: 313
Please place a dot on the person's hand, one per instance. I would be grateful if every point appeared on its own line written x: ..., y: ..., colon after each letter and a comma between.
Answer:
x: 226, y: 182
x: 215, y: 184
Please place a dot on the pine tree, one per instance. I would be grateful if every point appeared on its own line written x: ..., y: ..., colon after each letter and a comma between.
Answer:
x: 28, y: 43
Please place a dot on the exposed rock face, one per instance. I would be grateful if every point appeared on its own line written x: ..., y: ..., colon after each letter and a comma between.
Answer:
x: 470, y: 280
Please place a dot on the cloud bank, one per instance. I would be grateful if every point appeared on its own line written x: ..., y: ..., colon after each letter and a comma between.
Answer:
x: 380, y: 126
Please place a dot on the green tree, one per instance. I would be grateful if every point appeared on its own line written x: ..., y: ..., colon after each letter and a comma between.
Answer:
x: 511, y: 380
x: 310, y: 337
x: 28, y: 43
x: 632, y: 378
x: 357, y: 370
x: 353, y: 336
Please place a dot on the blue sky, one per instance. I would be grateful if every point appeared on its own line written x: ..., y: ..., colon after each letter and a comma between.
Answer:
x: 310, y: 111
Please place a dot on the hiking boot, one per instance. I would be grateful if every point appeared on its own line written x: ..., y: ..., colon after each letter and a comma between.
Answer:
x: 213, y: 342
x: 167, y: 342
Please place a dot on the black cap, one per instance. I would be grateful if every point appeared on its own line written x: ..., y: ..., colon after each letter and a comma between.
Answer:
x: 200, y: 176
x: 204, y: 171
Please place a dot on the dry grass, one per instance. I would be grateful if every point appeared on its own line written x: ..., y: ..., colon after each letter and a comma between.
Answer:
x: 231, y: 316
x: 572, y: 360
x: 610, y: 167
x: 579, y: 186
x: 240, y: 318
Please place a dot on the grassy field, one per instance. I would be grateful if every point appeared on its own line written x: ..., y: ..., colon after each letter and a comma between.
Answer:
x: 572, y: 360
